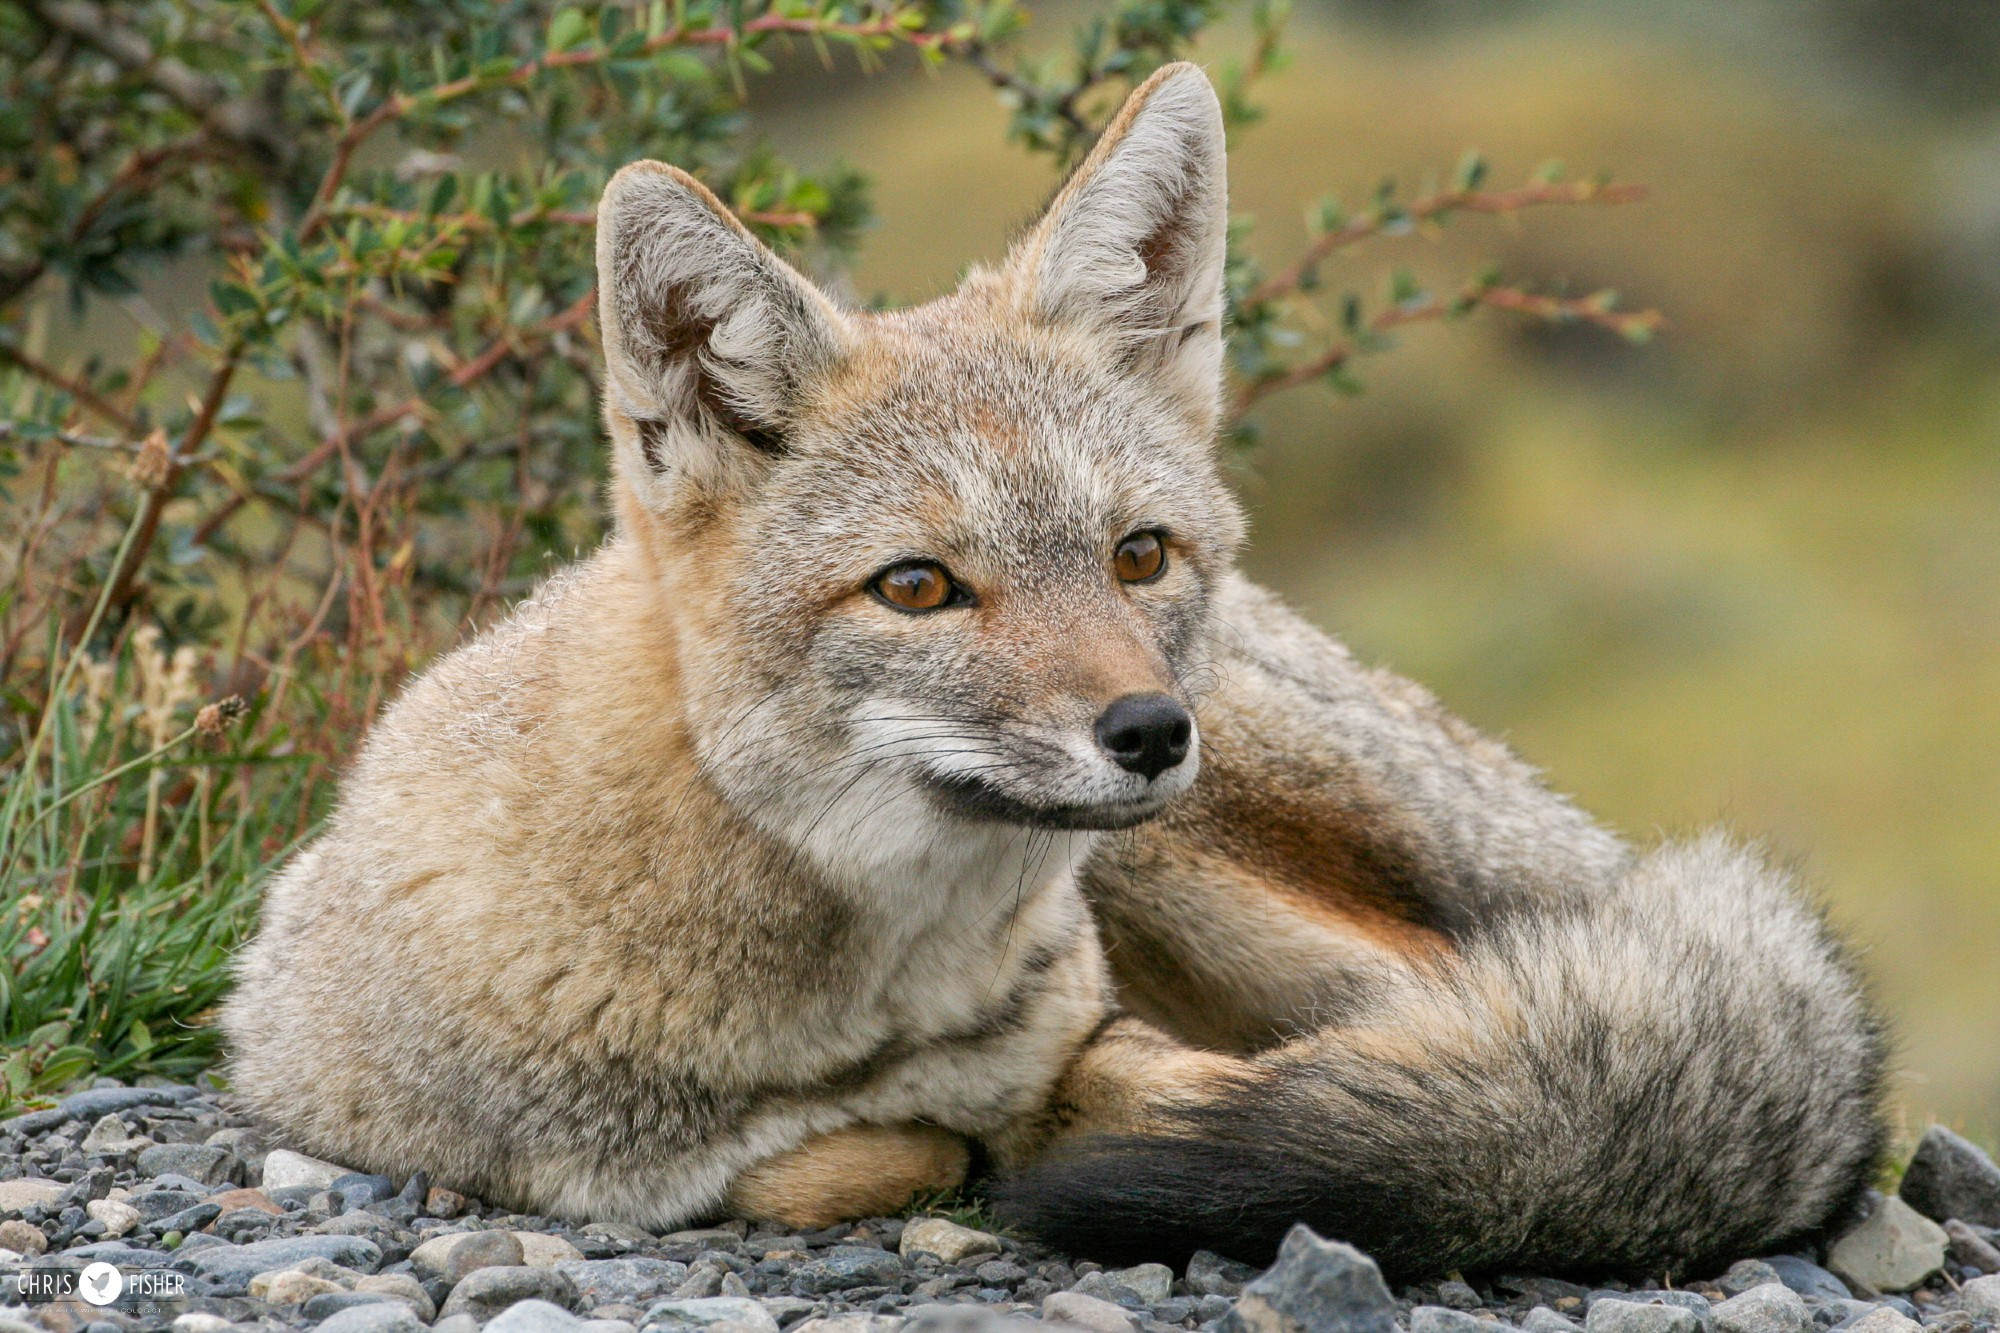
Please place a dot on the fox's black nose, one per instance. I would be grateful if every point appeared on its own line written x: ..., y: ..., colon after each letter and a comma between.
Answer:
x: 1145, y: 733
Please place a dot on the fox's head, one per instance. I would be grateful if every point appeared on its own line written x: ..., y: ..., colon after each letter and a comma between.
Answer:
x: 961, y: 553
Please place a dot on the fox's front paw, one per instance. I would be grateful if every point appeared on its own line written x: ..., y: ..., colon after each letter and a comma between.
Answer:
x: 861, y: 1171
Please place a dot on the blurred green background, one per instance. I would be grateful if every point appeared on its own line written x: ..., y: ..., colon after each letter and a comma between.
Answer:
x: 1749, y: 572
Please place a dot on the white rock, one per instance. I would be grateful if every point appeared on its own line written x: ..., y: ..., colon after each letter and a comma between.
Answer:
x: 118, y: 1218
x: 1894, y: 1250
x: 947, y: 1240
x: 1981, y: 1297
x: 199, y: 1321
x: 1081, y: 1311
x: 540, y: 1251
x: 284, y: 1169
x: 1153, y: 1282
x: 1770, y: 1308
x: 1610, y: 1316
x: 19, y: 1195
x: 109, y: 1137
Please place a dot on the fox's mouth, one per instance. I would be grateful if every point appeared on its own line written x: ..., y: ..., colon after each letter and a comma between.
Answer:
x: 969, y: 797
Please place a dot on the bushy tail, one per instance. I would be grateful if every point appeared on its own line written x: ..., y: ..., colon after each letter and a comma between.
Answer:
x: 1674, y: 1074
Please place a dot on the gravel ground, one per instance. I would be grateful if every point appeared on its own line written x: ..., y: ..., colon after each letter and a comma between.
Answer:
x: 172, y: 1187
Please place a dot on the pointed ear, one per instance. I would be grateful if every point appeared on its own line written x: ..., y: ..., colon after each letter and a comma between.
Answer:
x: 1133, y: 244
x: 709, y: 338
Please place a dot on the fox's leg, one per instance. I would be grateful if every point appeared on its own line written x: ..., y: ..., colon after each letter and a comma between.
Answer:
x: 1344, y: 828
x: 860, y: 1171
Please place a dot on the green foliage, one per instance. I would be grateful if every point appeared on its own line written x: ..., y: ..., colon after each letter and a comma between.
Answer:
x: 358, y: 411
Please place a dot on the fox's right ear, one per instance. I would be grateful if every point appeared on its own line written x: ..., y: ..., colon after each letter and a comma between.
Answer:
x: 710, y: 339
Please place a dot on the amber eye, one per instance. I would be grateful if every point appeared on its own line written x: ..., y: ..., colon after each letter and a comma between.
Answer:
x: 916, y: 586
x: 1140, y: 557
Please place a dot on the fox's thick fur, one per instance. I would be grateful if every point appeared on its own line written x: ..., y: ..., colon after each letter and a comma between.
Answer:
x: 712, y: 881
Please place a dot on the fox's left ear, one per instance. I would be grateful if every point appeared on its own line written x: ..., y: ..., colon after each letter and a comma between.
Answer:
x: 1133, y: 244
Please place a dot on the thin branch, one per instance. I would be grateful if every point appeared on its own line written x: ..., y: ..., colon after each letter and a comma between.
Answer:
x: 1598, y: 308
x: 1431, y: 207
x: 84, y: 395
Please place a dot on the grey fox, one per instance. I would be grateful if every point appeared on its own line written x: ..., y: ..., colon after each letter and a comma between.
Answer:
x: 912, y: 772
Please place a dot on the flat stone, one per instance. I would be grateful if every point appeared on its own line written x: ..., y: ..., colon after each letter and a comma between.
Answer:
x: 97, y: 1102
x: 606, y: 1326
x: 632, y: 1281
x: 451, y: 1257
x: 20, y: 1195
x: 388, y: 1316
x: 1894, y: 1249
x: 187, y: 1219
x: 1770, y: 1308
x: 713, y: 1310
x: 540, y: 1250
x: 533, y: 1317
x: 1316, y: 1286
x: 848, y: 1266
x: 485, y: 1292
x: 1981, y: 1298
x: 949, y: 1241
x: 1444, y: 1319
x: 1616, y: 1316
x: 1882, y: 1319
x: 1209, y: 1274
x: 196, y: 1161
x: 1808, y: 1279
x: 240, y: 1263
x: 1951, y: 1177
x: 290, y: 1286
x: 284, y: 1169
x: 1087, y: 1312
x: 22, y: 1239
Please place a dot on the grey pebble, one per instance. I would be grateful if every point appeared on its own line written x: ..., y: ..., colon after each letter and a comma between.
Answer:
x: 848, y: 1266
x: 1808, y: 1279
x: 632, y: 1281
x: 196, y: 1161
x: 1212, y: 1275
x: 1316, y: 1286
x: 1950, y: 1177
x: 1745, y: 1274
x: 1087, y: 1312
x: 487, y: 1291
x: 1459, y: 1295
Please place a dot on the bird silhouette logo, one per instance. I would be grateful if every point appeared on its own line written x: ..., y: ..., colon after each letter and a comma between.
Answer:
x: 101, y: 1283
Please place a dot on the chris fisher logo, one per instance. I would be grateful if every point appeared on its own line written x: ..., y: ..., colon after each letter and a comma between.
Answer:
x: 99, y: 1284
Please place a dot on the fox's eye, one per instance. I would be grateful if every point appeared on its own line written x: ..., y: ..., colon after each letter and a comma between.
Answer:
x: 1140, y: 557
x: 919, y: 585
